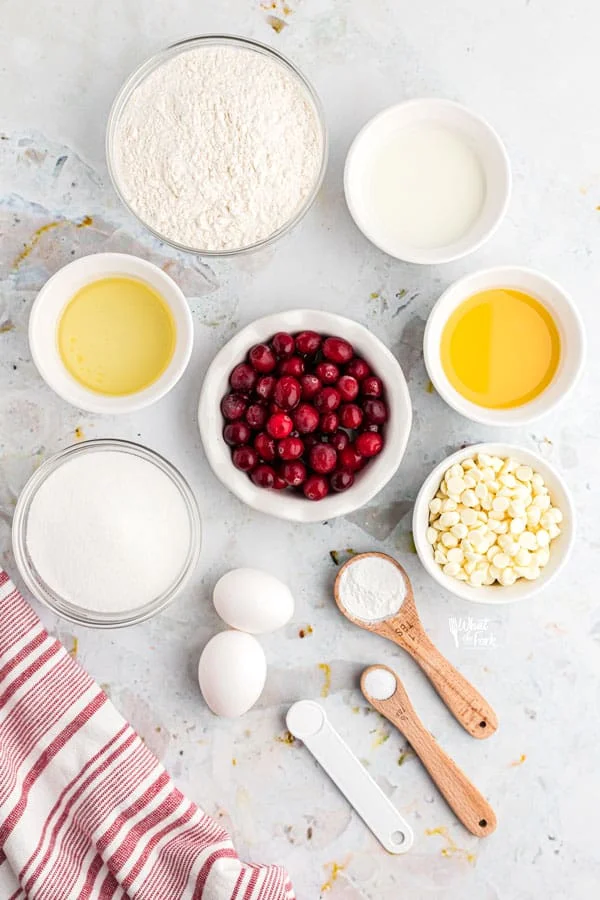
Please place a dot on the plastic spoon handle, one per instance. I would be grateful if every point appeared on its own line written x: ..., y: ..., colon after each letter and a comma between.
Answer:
x: 308, y: 722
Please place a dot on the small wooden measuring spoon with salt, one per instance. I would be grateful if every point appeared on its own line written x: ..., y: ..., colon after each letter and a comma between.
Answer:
x: 396, y: 618
x: 384, y: 690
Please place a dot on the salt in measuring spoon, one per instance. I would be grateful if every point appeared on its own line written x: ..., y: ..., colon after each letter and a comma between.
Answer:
x: 402, y: 625
x: 384, y: 690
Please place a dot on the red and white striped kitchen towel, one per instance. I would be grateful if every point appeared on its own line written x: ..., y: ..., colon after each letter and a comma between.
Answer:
x: 86, y: 810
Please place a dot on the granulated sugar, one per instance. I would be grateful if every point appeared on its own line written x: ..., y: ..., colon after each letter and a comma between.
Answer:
x: 372, y: 588
x: 218, y: 147
x: 108, y: 531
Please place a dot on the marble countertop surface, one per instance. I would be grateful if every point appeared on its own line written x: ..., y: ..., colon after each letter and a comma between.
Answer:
x: 531, y: 67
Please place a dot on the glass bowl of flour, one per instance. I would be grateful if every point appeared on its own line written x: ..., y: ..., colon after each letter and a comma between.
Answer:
x: 106, y: 533
x: 217, y: 145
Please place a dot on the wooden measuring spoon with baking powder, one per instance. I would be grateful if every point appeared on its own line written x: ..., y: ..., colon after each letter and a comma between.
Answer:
x: 384, y: 690
x: 405, y: 629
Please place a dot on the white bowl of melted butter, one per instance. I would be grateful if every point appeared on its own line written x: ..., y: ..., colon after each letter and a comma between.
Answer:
x: 111, y: 333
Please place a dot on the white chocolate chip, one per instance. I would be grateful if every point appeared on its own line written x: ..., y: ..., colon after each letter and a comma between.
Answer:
x: 469, y: 498
x: 542, y: 537
x: 448, y: 519
x: 460, y: 531
x: 468, y: 517
x: 528, y: 540
x: 455, y: 555
x: 455, y: 485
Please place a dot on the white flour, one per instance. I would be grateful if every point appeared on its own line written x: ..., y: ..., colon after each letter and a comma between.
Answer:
x: 108, y: 532
x: 372, y: 588
x: 218, y: 148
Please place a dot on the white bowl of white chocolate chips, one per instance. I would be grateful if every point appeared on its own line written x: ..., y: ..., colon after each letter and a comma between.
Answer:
x: 493, y: 523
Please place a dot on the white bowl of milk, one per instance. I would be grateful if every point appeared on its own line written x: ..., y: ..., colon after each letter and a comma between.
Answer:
x: 427, y: 181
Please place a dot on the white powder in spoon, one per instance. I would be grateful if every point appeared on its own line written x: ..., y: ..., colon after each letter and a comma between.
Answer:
x: 108, y: 531
x: 380, y: 684
x: 372, y: 588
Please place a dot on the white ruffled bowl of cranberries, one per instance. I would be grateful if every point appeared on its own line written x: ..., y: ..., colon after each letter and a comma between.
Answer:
x: 305, y: 415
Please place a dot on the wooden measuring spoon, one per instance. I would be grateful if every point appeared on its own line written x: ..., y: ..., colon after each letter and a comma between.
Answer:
x: 405, y: 629
x: 470, y: 807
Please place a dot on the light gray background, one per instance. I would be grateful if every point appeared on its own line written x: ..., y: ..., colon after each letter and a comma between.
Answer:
x: 532, y: 67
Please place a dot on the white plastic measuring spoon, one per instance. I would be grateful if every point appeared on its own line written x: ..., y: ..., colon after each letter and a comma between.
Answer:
x: 307, y: 721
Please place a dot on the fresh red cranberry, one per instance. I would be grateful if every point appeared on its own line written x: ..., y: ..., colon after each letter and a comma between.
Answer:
x: 315, y: 487
x: 337, y: 350
x: 348, y: 388
x: 329, y: 423
x: 351, y: 459
x: 265, y: 446
x: 233, y: 406
x: 373, y: 428
x: 294, y: 473
x: 243, y: 378
x: 371, y: 387
x: 244, y: 458
x: 327, y: 372
x: 341, y: 480
x: 327, y: 400
x: 262, y: 359
x: 322, y: 458
x: 280, y: 484
x: 287, y: 392
x: 236, y: 433
x: 306, y: 418
x: 265, y: 386
x: 308, y: 342
x: 290, y: 448
x: 283, y: 344
x: 351, y: 415
x: 263, y: 476
x: 375, y: 411
x: 279, y: 425
x: 358, y: 368
x: 256, y: 416
x: 339, y: 440
x: 292, y: 366
x: 311, y: 385
x: 369, y: 444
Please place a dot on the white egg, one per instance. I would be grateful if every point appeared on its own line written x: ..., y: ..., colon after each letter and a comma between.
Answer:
x: 232, y: 672
x: 253, y: 601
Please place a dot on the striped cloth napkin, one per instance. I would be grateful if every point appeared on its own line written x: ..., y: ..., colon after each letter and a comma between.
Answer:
x: 86, y: 810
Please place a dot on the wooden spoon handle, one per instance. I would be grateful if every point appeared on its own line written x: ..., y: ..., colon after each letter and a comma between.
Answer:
x: 463, y: 700
x: 469, y: 805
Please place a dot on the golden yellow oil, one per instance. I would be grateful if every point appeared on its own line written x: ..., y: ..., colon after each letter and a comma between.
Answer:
x: 116, y: 336
x: 500, y: 348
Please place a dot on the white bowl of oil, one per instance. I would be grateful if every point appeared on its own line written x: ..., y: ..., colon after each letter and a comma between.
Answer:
x: 111, y: 333
x: 504, y: 346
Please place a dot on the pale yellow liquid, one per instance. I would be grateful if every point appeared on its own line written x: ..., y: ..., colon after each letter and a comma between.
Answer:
x: 500, y: 348
x: 116, y: 336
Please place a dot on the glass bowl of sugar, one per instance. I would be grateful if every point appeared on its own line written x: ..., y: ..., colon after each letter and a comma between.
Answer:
x: 106, y: 533
x: 217, y: 145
